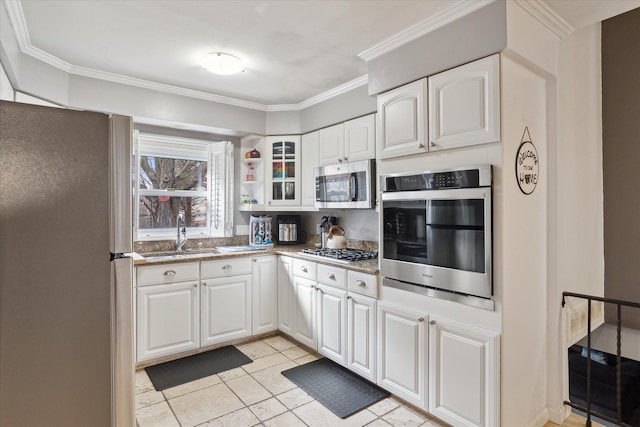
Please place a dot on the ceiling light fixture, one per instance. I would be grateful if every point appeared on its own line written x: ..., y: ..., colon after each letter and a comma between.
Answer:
x: 223, y: 64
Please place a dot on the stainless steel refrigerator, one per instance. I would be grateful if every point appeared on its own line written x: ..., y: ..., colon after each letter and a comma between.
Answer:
x: 66, y: 294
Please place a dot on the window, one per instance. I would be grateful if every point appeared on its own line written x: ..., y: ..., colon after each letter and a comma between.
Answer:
x: 178, y: 174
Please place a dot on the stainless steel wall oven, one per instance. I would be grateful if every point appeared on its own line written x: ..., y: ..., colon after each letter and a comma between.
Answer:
x: 436, y: 233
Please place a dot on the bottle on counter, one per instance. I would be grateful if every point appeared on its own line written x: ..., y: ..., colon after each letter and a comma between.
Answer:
x: 251, y: 174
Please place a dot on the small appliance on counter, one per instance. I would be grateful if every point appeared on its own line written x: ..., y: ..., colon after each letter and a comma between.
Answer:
x: 325, y: 225
x: 336, y: 239
x: 260, y: 230
x: 289, y: 231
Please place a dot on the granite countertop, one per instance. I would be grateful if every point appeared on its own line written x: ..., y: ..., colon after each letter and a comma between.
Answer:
x: 151, y: 258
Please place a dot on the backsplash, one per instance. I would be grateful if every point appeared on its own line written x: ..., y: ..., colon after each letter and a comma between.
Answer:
x: 195, y: 244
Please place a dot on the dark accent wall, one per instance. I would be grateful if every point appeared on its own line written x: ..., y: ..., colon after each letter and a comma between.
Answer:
x: 621, y: 162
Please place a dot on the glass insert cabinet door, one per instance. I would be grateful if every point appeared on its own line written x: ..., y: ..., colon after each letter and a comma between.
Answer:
x: 283, y: 170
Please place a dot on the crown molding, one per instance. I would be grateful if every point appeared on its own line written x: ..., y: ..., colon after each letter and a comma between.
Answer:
x: 16, y: 17
x: 547, y: 17
x: 338, y: 90
x: 448, y: 15
x: 161, y: 87
x: 21, y: 32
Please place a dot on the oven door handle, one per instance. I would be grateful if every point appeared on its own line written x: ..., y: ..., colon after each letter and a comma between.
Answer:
x: 353, y: 190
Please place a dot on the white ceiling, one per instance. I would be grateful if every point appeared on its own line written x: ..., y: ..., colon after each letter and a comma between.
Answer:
x: 293, y: 50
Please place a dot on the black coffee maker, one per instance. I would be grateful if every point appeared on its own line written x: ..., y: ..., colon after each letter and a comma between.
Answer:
x: 288, y: 230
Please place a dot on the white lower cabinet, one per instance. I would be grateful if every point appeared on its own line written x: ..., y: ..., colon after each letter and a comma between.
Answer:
x: 225, y: 309
x: 463, y: 373
x: 361, y: 335
x: 305, y: 311
x: 264, y: 294
x: 167, y: 319
x: 402, y: 352
x: 332, y: 323
x: 286, y: 295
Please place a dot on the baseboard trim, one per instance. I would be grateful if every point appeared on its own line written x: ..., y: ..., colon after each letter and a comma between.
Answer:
x: 540, y: 420
x: 558, y: 415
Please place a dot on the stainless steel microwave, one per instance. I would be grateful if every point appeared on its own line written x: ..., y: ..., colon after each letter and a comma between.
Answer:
x: 436, y: 233
x: 346, y: 185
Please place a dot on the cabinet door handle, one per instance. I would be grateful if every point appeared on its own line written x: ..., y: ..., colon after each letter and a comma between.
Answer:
x: 226, y: 267
x: 361, y: 283
x: 432, y: 322
x: 331, y: 276
x: 421, y: 319
x: 303, y: 268
x: 255, y: 260
x: 170, y: 273
x: 420, y: 145
x: 349, y: 297
x: 346, y: 159
x: 432, y: 144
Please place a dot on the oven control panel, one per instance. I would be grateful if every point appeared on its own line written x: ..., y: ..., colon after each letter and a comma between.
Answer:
x: 467, y: 178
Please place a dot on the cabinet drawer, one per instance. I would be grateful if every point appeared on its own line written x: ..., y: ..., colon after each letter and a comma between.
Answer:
x: 167, y: 273
x: 362, y: 283
x: 225, y: 267
x: 306, y: 269
x: 332, y: 276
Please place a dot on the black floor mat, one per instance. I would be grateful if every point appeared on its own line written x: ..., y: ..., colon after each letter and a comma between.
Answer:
x: 190, y: 368
x: 338, y: 389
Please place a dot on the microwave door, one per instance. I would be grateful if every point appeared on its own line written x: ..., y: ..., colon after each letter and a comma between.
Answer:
x: 321, y: 189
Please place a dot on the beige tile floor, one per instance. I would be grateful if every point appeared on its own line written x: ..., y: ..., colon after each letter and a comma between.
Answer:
x: 257, y: 394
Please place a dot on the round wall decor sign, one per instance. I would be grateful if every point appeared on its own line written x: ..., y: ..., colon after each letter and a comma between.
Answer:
x: 527, y: 164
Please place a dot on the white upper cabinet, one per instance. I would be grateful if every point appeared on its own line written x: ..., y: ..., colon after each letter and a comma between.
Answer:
x: 350, y: 141
x: 282, y: 179
x: 309, y: 163
x: 464, y: 105
x: 331, y: 145
x: 402, y: 123
x: 360, y: 138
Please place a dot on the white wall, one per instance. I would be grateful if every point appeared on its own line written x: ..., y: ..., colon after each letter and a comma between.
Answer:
x: 577, y: 249
x: 524, y: 256
x: 579, y: 151
x: 570, y: 68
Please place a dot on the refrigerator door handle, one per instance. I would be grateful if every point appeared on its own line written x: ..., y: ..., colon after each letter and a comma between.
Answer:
x: 119, y: 255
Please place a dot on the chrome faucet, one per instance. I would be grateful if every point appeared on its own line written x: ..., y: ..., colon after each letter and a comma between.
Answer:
x: 181, y: 237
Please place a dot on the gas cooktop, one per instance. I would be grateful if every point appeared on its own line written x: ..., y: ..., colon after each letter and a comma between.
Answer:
x: 344, y: 256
